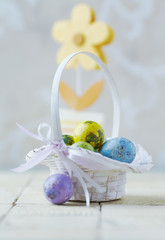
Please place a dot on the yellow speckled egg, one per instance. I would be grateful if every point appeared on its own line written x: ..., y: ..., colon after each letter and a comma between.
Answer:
x: 90, y: 132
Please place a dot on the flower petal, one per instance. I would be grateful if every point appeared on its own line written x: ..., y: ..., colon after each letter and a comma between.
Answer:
x: 87, y: 62
x: 82, y: 14
x: 61, y: 30
x: 63, y: 52
x: 99, y: 33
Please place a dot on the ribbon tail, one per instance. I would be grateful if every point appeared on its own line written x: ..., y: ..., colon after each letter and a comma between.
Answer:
x: 71, y: 167
x: 30, y: 134
x: 39, y: 157
x: 90, y: 180
x: 83, y: 184
x: 66, y: 163
x: 71, y: 159
x: 80, y: 175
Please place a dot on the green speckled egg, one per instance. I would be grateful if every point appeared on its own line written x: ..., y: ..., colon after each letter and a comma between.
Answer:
x: 84, y: 145
x: 90, y: 132
x: 68, y: 139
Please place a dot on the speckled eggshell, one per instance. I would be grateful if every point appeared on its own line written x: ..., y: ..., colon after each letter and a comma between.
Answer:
x: 120, y: 149
x: 90, y: 132
x: 68, y: 139
x: 58, y: 188
x: 84, y: 145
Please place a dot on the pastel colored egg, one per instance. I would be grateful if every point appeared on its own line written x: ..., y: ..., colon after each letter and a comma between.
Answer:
x: 90, y: 132
x: 58, y: 188
x: 84, y: 145
x: 120, y: 149
x: 68, y: 139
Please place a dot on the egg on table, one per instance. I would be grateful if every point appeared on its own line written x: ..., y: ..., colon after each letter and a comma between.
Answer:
x: 120, y: 149
x: 90, y: 132
x: 58, y: 188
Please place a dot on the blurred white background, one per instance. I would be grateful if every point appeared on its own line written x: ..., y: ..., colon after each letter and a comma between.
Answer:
x: 135, y: 58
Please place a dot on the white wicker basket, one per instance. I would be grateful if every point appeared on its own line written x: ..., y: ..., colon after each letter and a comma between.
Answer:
x: 112, y: 182
x: 95, y: 177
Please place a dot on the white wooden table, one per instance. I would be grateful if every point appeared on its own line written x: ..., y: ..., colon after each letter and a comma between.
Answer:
x: 26, y: 214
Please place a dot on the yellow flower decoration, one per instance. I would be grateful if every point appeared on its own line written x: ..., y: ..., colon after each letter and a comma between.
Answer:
x: 82, y: 33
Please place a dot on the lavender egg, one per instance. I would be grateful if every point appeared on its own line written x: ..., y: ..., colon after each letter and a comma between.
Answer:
x: 58, y: 188
x: 120, y: 149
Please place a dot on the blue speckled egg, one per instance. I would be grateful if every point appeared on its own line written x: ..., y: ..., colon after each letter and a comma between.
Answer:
x: 58, y: 188
x: 120, y: 149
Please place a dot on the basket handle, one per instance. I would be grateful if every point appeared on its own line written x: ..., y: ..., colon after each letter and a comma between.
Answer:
x: 56, y: 126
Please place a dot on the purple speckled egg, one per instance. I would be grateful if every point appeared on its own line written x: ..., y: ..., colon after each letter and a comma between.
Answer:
x: 58, y: 188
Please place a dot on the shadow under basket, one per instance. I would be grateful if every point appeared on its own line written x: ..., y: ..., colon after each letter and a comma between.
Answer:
x: 113, y: 183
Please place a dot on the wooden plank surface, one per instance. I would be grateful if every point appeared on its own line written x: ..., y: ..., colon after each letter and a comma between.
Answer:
x: 26, y: 214
x: 11, y: 187
x: 133, y: 222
